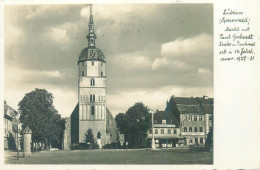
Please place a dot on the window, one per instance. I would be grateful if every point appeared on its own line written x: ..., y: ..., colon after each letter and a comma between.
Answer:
x: 190, y: 129
x: 196, y: 140
x: 101, y: 74
x: 156, y: 131
x: 92, y: 110
x: 83, y: 73
x: 201, y: 140
x: 185, y: 129
x: 195, y: 118
x: 195, y: 129
x: 210, y: 117
x: 190, y: 118
x: 91, y: 97
x: 162, y: 131
x: 169, y: 131
x: 175, y: 131
x: 92, y: 63
x: 191, y: 141
x: 164, y: 121
x: 92, y: 82
x: 200, y: 118
x: 201, y: 129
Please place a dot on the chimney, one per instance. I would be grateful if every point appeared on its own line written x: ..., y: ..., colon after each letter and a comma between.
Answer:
x: 205, y: 97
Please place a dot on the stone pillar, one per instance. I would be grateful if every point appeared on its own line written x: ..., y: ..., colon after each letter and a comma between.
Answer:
x: 27, y: 139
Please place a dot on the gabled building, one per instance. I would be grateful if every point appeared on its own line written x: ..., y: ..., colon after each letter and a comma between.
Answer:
x: 11, y: 128
x: 166, y: 129
x: 195, y: 117
x: 207, y: 105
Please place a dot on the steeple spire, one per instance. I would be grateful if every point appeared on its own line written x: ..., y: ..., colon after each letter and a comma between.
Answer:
x: 91, y: 35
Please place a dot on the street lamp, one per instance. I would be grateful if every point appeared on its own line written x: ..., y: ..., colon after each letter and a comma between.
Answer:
x: 153, y: 144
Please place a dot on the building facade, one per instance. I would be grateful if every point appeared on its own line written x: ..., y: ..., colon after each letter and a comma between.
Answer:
x: 195, y: 117
x: 91, y: 110
x: 166, y: 129
x: 92, y: 87
x: 12, y: 137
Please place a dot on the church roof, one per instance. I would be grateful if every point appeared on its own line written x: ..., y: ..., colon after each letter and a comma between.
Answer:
x: 91, y: 53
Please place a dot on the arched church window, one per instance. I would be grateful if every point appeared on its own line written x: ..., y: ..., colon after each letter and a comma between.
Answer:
x: 92, y: 110
x: 92, y: 82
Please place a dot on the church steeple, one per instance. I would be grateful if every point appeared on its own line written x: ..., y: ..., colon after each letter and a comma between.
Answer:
x: 91, y: 35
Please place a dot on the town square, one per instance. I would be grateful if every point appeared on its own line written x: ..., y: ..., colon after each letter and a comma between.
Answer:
x: 109, y: 84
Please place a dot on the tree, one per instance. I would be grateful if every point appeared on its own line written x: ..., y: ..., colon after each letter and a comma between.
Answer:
x: 135, y: 123
x: 89, y: 137
x: 38, y: 112
x: 121, y: 122
x: 209, y: 140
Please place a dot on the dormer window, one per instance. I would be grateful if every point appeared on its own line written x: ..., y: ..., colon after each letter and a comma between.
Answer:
x: 164, y: 121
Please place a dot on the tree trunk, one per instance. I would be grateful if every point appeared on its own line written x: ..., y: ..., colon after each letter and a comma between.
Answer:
x: 46, y: 143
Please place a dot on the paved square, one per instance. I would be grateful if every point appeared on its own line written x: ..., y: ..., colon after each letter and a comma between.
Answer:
x: 140, y: 156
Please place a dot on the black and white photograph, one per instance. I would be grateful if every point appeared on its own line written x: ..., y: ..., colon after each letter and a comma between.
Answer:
x: 110, y: 84
x: 121, y: 84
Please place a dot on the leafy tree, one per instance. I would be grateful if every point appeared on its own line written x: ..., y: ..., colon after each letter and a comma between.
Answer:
x: 121, y: 121
x: 99, y: 135
x: 89, y: 137
x: 135, y: 123
x: 209, y: 140
x: 38, y: 112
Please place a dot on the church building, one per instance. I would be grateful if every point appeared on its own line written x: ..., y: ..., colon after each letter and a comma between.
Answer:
x: 91, y: 110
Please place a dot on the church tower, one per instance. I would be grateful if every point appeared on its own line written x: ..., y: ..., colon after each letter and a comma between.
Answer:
x: 92, y: 87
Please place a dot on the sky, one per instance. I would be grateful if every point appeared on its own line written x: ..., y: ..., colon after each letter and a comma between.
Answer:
x: 153, y: 51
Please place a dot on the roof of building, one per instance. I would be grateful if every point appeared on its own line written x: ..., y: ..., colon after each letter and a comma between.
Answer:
x: 190, y: 109
x: 9, y: 111
x: 91, y: 53
x: 186, y: 100
x: 207, y: 104
x: 188, y: 105
x: 165, y: 115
